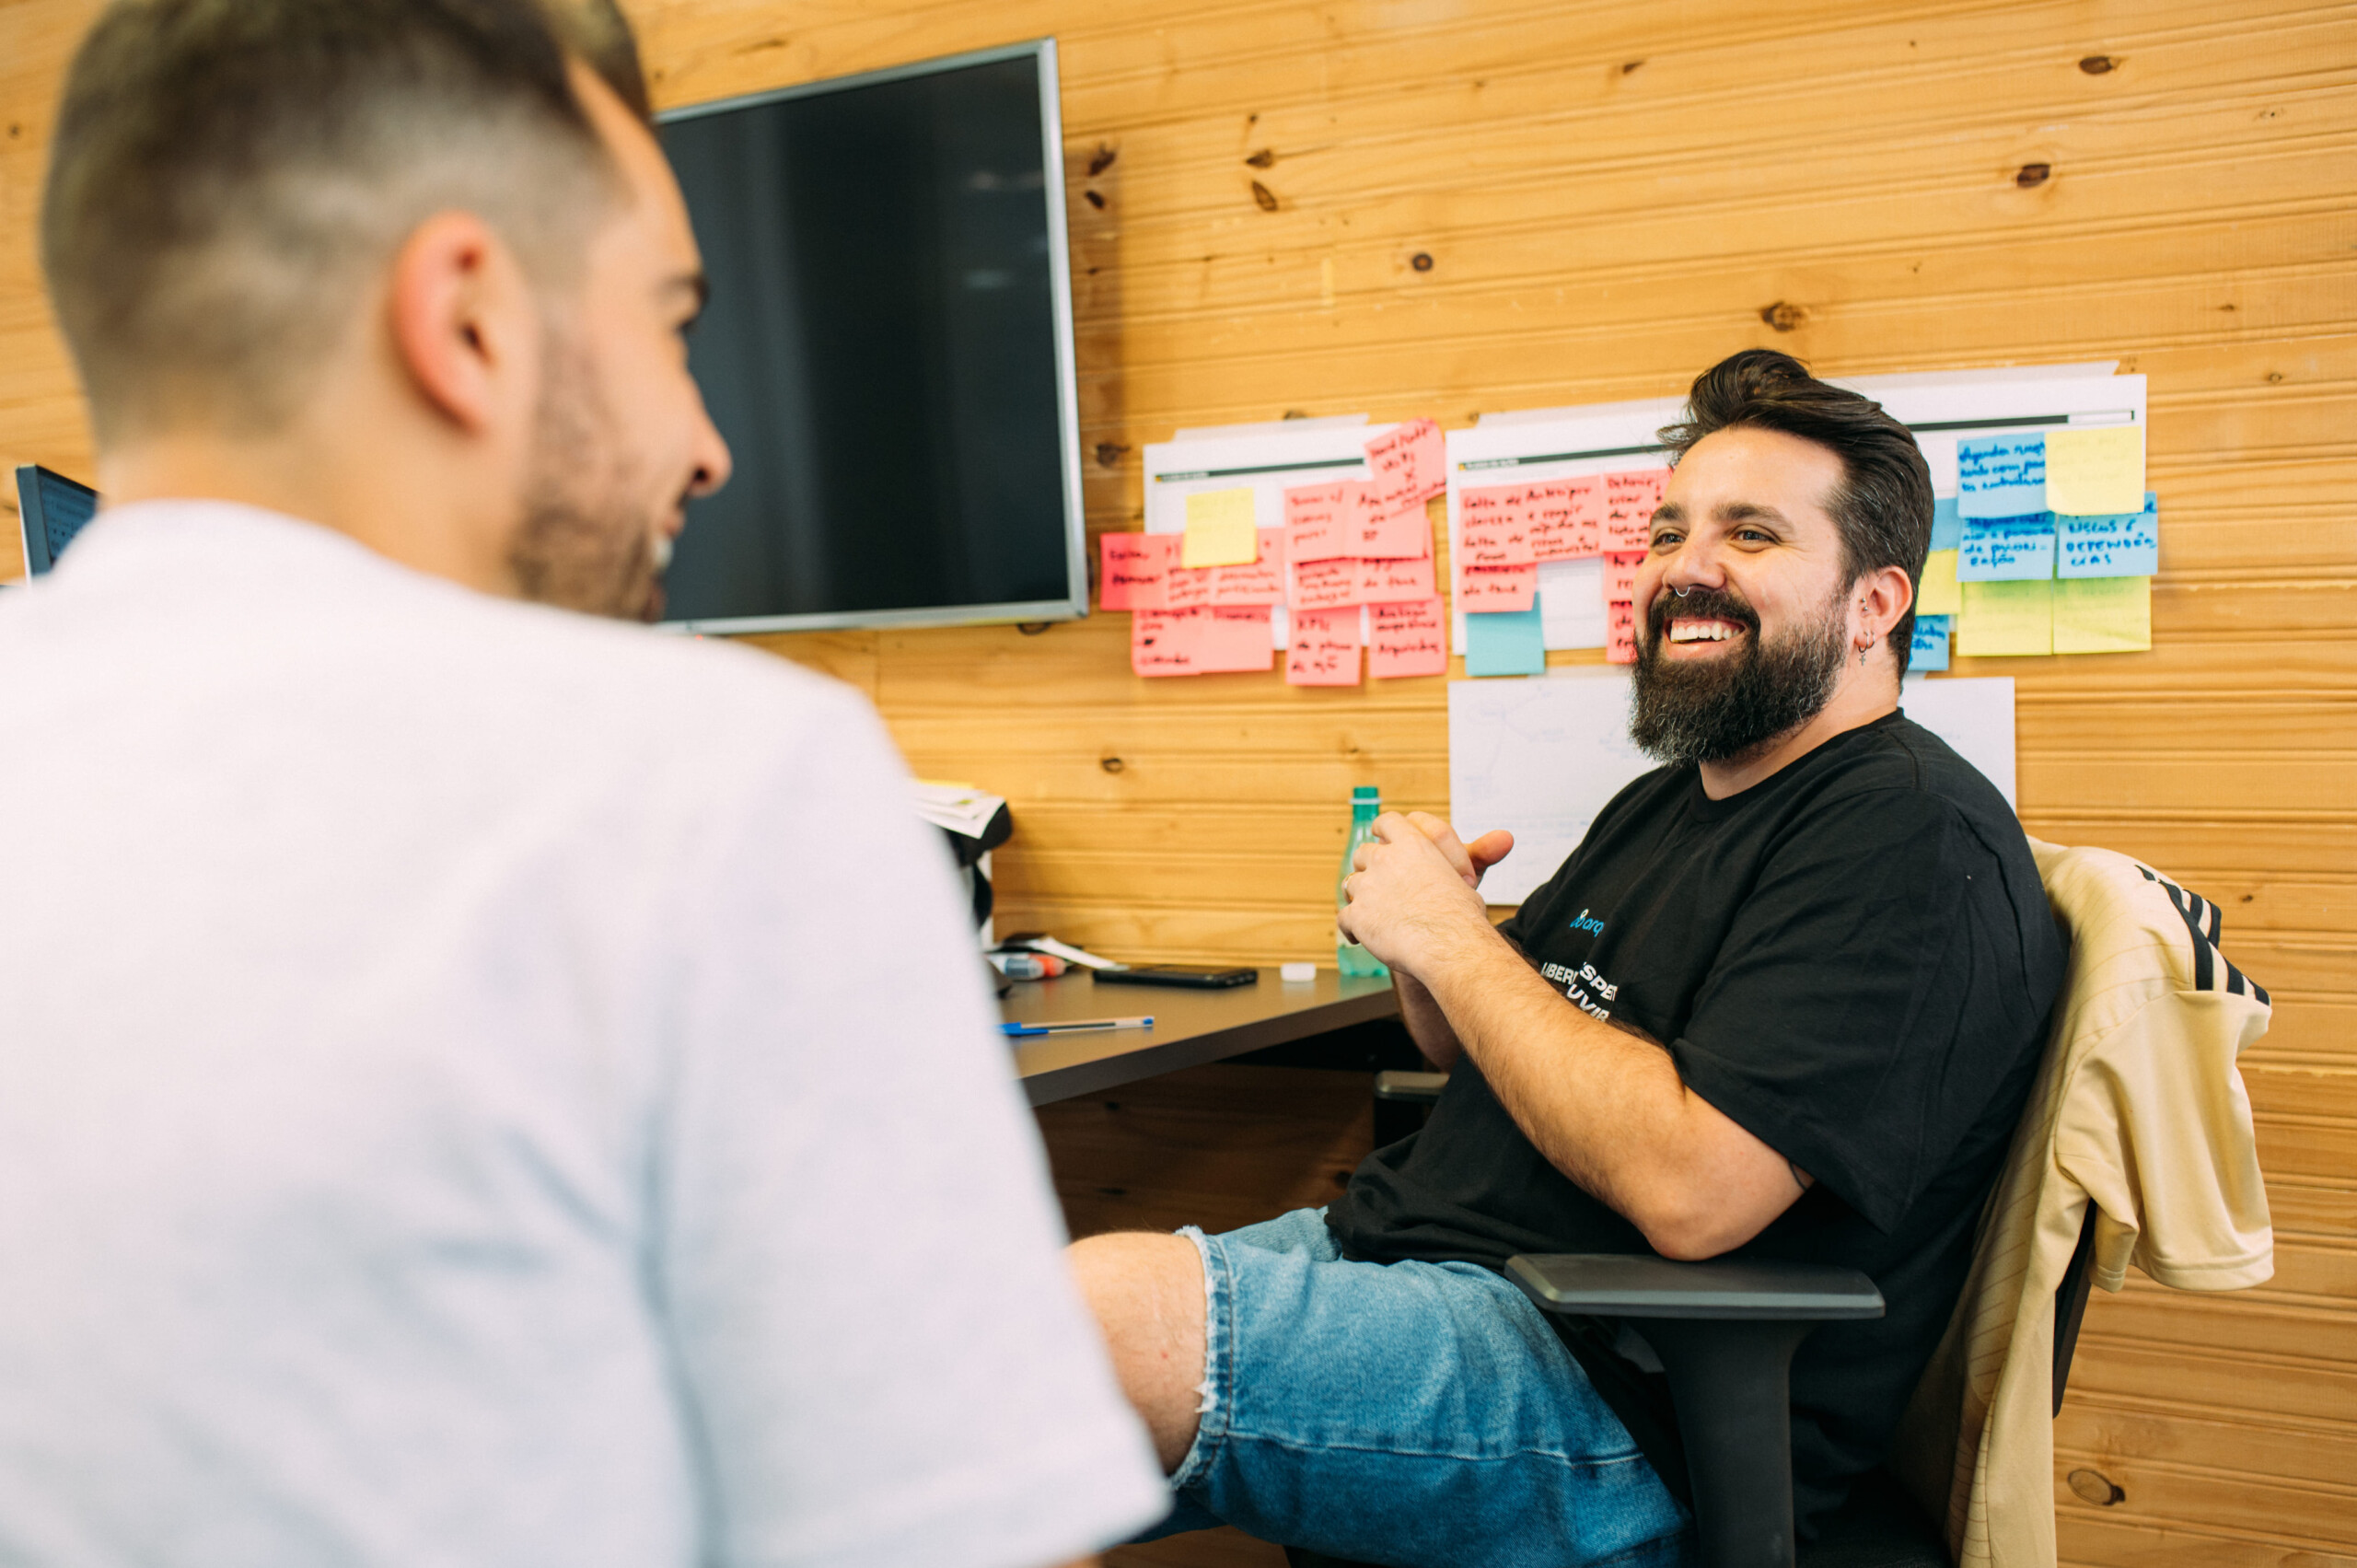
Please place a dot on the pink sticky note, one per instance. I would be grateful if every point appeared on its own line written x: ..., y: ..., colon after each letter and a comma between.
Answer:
x: 1186, y: 587
x: 1388, y: 582
x: 1629, y: 502
x: 1391, y: 535
x: 1409, y: 639
x: 1236, y: 638
x: 1199, y: 642
x: 1325, y: 650
x: 1496, y: 535
x: 1410, y: 463
x: 1566, y: 520
x: 1316, y: 520
x: 1263, y: 582
x: 1136, y: 567
x: 1498, y: 588
x: 1620, y: 576
x: 1620, y: 634
x: 1323, y: 585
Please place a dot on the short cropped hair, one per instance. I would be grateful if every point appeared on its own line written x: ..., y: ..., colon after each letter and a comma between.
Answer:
x: 228, y: 176
x: 1883, y: 506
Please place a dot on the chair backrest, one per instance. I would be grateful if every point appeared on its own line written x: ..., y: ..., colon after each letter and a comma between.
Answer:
x: 2136, y: 1145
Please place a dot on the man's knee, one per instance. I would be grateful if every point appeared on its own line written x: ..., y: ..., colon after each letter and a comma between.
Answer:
x: 1146, y: 1289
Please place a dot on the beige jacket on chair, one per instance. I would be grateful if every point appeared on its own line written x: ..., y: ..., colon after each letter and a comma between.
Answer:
x: 2139, y: 1110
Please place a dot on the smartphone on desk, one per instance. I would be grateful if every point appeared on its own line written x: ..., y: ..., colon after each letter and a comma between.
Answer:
x: 1192, y: 976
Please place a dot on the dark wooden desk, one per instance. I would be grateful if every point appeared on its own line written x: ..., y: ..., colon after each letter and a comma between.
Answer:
x: 1191, y: 1027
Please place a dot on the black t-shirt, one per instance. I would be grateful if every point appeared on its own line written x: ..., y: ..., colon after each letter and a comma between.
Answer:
x: 1854, y: 960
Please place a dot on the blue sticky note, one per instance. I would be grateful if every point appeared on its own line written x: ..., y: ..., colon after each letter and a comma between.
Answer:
x: 2001, y: 476
x: 2128, y: 545
x: 1929, y: 650
x: 2007, y: 549
x: 1946, y: 523
x: 1504, y: 642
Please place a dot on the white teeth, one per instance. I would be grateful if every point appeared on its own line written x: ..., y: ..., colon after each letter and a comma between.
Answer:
x: 1699, y: 631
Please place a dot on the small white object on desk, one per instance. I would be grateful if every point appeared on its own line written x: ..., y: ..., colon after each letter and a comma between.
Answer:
x: 1298, y: 974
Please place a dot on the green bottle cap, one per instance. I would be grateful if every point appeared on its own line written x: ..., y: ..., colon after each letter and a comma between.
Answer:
x: 1364, y: 792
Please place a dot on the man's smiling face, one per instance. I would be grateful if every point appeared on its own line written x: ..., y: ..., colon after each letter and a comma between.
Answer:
x: 1743, y: 619
x: 1744, y: 517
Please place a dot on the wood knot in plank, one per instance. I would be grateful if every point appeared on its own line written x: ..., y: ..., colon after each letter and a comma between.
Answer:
x: 1095, y: 199
x: 1422, y: 261
x: 1264, y: 197
x: 2032, y: 175
x: 1265, y: 158
x: 1102, y: 158
x: 1784, y: 316
x: 1111, y: 764
x: 1109, y: 453
x: 2099, y: 64
x: 2094, y: 1486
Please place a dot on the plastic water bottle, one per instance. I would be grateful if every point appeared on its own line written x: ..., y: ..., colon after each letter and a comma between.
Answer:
x: 1366, y: 803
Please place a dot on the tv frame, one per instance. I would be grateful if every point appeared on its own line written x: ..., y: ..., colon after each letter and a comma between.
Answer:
x: 32, y: 516
x: 1074, y: 606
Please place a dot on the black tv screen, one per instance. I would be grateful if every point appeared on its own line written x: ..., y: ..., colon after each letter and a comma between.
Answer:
x: 887, y: 352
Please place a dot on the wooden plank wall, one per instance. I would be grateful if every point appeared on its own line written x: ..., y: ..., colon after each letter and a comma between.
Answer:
x: 1439, y: 206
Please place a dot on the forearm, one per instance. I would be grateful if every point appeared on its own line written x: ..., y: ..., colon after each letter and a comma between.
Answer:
x: 1427, y: 1024
x: 1605, y: 1107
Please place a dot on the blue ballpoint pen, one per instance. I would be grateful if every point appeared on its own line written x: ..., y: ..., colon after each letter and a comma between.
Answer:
x: 1076, y: 1026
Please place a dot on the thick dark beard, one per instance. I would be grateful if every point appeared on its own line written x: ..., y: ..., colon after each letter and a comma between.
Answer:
x: 582, y: 544
x: 1728, y: 709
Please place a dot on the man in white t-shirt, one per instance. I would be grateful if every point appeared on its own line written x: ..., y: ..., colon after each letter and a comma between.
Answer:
x: 478, y: 1084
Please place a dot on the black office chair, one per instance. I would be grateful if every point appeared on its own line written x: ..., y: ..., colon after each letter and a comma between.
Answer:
x: 1726, y: 1333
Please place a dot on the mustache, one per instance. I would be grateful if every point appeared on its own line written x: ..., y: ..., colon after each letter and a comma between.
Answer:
x: 1724, y: 604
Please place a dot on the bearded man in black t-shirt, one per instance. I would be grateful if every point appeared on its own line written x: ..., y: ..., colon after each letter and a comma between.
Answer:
x: 1784, y: 1001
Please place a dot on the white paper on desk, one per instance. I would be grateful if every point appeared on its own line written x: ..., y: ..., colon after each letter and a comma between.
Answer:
x: 1539, y: 757
x: 1974, y: 714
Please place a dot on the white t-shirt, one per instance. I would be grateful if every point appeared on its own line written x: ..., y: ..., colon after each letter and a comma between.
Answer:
x: 479, y: 1085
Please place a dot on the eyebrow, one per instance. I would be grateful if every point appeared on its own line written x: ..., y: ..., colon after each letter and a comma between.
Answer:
x: 1728, y: 512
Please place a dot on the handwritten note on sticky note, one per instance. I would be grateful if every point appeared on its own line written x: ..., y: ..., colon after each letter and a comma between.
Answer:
x: 1493, y: 589
x: 1324, y: 650
x: 1136, y: 565
x: 1629, y: 502
x: 1199, y: 642
x: 1938, y: 594
x: 1395, y: 535
x: 1496, y: 533
x: 1409, y: 639
x: 1185, y: 587
x: 1322, y: 585
x: 1566, y: 518
x: 2010, y: 551
x: 1620, y: 576
x: 1620, y: 634
x: 2001, y: 476
x: 1930, y: 648
x: 2005, y: 619
x: 2128, y: 545
x: 1506, y: 643
x: 1220, y: 530
x: 1263, y: 582
x: 1410, y: 462
x: 2102, y: 615
x: 1388, y: 582
x: 2094, y: 472
x: 1948, y: 528
x: 1317, y: 524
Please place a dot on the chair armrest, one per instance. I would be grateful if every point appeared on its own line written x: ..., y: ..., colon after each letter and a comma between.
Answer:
x: 1414, y: 1088
x: 1633, y: 1285
x: 1725, y: 1332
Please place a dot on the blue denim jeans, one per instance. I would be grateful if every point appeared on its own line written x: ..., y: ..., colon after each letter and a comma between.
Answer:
x: 1422, y: 1414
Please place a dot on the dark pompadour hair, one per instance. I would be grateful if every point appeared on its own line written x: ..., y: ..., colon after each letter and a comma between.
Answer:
x: 227, y: 175
x: 1884, y: 505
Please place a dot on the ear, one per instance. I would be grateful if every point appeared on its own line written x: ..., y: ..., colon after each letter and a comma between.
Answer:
x: 1877, y: 599
x: 461, y: 321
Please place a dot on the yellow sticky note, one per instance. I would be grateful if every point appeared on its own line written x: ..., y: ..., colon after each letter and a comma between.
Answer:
x: 2102, y: 615
x: 1936, y: 594
x: 2095, y: 473
x: 1220, y: 528
x: 2006, y: 617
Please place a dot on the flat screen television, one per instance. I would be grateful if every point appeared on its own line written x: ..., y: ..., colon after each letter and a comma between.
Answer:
x: 887, y: 352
